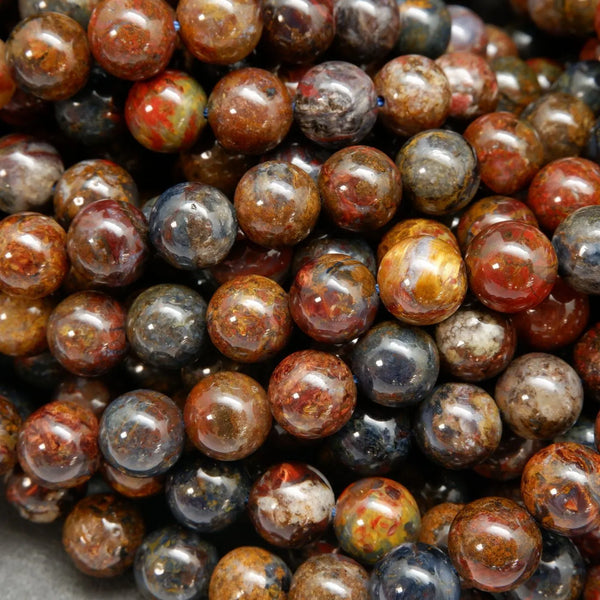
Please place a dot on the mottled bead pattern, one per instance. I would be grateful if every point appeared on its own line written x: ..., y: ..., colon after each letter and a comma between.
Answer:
x: 102, y: 534
x: 374, y: 515
x: 10, y: 423
x: 142, y: 433
x: 494, y: 544
x: 586, y: 360
x: 436, y: 522
x: 291, y: 505
x: 312, y: 394
x: 422, y: 280
x: 579, y: 80
x: 425, y: 27
x: 174, y: 563
x: 58, y: 445
x: 518, y: 86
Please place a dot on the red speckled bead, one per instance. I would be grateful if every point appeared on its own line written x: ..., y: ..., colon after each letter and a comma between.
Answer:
x: 509, y: 151
x: 277, y: 204
x: 416, y: 94
x: 291, y: 505
x: 102, y: 534
x: 422, y: 280
x: 48, y: 56
x: 7, y: 85
x: 494, y: 544
x: 333, y: 299
x: 227, y: 415
x: 312, y: 394
x: 33, y: 255
x: 361, y: 188
x: 556, y: 322
x: 23, y: 325
x: 374, y: 515
x: 132, y: 39
x: 561, y: 488
x: 414, y: 228
x: 166, y: 113
x: 248, y: 319
x: 86, y: 333
x: 472, y: 83
x: 58, y: 445
x: 586, y: 360
x: 561, y: 187
x: 249, y: 111
x: 10, y: 423
x: 489, y: 211
x: 220, y: 32
x: 512, y: 266
x: 107, y: 243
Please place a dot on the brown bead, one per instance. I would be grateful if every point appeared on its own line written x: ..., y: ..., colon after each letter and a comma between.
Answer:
x: 10, y: 423
x: 435, y: 524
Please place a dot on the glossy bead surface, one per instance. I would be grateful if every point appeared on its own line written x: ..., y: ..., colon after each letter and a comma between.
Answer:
x: 192, y: 225
x: 518, y: 86
x: 220, y: 33
x: 439, y: 171
x: 107, y: 243
x: 333, y: 299
x: 249, y: 111
x: 374, y: 515
x: 458, y: 425
x: 540, y: 396
x: 166, y: 113
x: 102, y: 535
x: 576, y: 241
x: 166, y: 325
x: 561, y: 488
x: 436, y: 522
x: 508, y: 149
x: 93, y: 394
x: 424, y: 27
x: 277, y: 204
x: 335, y: 104
x: 10, y: 423
x: 475, y: 344
x: 494, y: 544
x: 500, y: 43
x: 361, y: 188
x: 468, y: 32
x: 511, y: 266
x: 141, y: 433
x: 132, y: 39
x: 174, y: 564
x: 329, y: 577
x: 586, y: 360
x: 422, y: 280
x: 207, y: 495
x: 414, y: 571
x: 33, y: 256
x: 416, y: 94
x: 312, y: 394
x: 291, y: 505
x: 7, y: 85
x: 254, y: 572
x: 48, y: 56
x: 227, y: 415
x: 58, y: 445
x: 86, y: 333
x: 130, y: 486
x: 396, y: 365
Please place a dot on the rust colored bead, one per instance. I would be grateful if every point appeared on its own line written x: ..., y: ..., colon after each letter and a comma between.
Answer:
x: 92, y: 394
x: 248, y: 319
x: 129, y: 486
x: 132, y: 39
x: 277, y: 204
x: 102, y: 535
x: 586, y: 360
x: 227, y: 415
x: 500, y: 43
x: 220, y: 33
x: 435, y: 524
x: 10, y: 423
x: 48, y: 56
x: 58, y: 445
x: 7, y: 85
x: 33, y: 255
x: 564, y: 18
x: 312, y: 394
x: 23, y: 325
x: 494, y: 544
x: 546, y: 70
x: 561, y: 488
x: 556, y: 322
x: 416, y: 94
x: 249, y: 111
x: 509, y: 151
x: 422, y: 280
x: 591, y: 590
x: 86, y: 333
